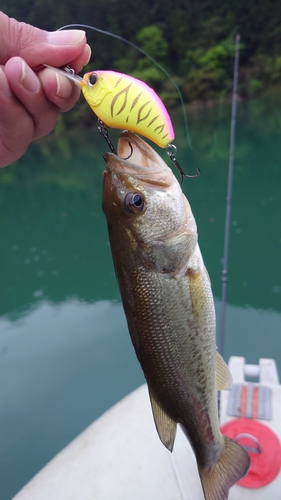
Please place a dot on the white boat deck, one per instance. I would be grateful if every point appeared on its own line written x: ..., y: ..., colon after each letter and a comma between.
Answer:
x: 120, y: 457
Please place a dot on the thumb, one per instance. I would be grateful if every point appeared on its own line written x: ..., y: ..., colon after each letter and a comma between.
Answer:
x: 37, y: 46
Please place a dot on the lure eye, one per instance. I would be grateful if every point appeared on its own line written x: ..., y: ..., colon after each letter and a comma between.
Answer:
x: 134, y: 202
x: 93, y: 78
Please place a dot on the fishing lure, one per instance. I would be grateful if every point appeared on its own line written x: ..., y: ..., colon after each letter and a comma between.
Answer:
x: 124, y: 102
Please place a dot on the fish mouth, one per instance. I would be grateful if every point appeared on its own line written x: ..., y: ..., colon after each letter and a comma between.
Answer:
x: 138, y: 159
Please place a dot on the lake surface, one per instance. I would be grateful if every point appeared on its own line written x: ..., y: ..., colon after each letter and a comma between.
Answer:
x: 65, y: 352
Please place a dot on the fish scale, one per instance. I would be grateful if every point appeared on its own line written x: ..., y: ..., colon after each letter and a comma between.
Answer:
x: 161, y: 344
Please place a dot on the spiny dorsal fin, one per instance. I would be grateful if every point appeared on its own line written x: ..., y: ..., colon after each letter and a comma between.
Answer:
x: 165, y: 425
x: 223, y: 375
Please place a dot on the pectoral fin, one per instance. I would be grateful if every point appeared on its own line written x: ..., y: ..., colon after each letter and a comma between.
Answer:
x: 223, y: 375
x: 165, y: 425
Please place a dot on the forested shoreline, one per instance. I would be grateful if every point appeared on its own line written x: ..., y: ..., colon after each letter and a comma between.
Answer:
x: 193, y: 41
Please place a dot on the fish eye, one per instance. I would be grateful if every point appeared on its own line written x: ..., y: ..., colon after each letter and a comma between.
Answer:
x: 93, y: 78
x: 134, y: 202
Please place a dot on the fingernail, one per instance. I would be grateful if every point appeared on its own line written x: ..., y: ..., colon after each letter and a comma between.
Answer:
x: 28, y: 79
x: 64, y: 87
x: 67, y: 37
x: 88, y: 53
x: 4, y: 85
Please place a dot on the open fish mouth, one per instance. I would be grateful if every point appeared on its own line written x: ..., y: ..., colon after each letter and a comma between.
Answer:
x: 137, y: 158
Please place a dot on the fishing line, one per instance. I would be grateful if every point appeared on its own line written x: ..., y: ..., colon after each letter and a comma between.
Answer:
x: 134, y: 46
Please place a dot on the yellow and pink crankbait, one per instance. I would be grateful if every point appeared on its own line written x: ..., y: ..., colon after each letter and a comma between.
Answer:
x: 124, y: 102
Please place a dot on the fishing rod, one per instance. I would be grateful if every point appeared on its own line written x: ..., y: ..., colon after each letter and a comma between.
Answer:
x: 224, y: 273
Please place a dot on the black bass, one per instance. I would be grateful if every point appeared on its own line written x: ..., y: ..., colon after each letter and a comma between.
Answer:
x: 169, y: 306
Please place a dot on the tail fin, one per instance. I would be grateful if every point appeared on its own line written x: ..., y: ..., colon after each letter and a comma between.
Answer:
x: 232, y: 465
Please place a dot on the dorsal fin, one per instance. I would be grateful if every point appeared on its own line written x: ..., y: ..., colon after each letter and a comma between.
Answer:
x: 165, y: 425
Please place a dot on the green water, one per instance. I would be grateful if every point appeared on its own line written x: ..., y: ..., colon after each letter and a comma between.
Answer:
x: 65, y: 353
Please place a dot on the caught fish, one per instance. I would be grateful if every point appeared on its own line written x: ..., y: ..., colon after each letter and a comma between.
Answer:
x: 167, y: 298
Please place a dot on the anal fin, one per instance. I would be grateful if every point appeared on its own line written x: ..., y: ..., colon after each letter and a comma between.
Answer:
x: 165, y: 425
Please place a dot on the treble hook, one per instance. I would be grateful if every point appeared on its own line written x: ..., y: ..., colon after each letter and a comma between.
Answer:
x: 104, y: 132
x: 172, y: 155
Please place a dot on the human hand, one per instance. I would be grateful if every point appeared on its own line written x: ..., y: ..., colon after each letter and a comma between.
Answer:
x: 30, y: 101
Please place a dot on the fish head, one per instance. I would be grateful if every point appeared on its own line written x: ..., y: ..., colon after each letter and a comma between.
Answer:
x: 95, y: 86
x: 145, y: 206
